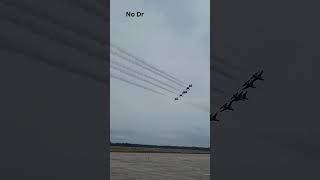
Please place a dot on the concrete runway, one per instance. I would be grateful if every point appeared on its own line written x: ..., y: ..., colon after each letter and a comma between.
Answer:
x: 159, y: 166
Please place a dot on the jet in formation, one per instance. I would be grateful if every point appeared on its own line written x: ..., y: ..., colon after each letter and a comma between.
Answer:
x: 183, y: 92
x: 242, y: 96
x: 214, y: 117
x: 248, y: 84
x: 226, y: 106
x: 257, y: 76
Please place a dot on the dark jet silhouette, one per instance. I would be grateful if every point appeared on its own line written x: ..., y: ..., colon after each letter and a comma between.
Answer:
x: 257, y: 76
x: 184, y: 92
x: 190, y: 85
x: 236, y: 97
x: 176, y: 99
x: 226, y: 106
x: 188, y: 88
x: 180, y: 95
x: 214, y: 117
x: 242, y: 96
x: 248, y: 84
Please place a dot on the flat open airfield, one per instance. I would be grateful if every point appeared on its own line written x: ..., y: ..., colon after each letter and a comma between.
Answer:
x: 159, y: 166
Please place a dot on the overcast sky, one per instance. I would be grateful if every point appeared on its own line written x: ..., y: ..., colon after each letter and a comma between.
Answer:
x: 174, y: 37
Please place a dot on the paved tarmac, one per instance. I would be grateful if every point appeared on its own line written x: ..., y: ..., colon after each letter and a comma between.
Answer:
x: 159, y: 166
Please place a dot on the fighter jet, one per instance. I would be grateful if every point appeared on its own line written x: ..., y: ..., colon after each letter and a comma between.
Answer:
x: 187, y: 88
x: 184, y: 92
x: 190, y: 85
x: 248, y: 84
x: 239, y: 96
x: 226, y: 106
x: 180, y: 95
x: 214, y: 117
x: 257, y: 76
x: 236, y: 96
x: 244, y: 96
x: 176, y: 99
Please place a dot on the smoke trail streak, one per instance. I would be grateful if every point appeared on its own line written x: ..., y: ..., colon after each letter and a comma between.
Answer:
x: 222, y: 72
x: 67, y: 67
x: 218, y: 90
x: 135, y: 84
x: 138, y: 59
x: 142, y: 74
x: 142, y: 79
x: 136, y: 63
x: 224, y: 62
x: 23, y: 6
